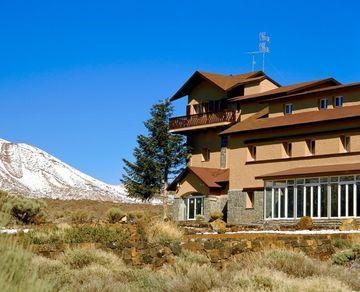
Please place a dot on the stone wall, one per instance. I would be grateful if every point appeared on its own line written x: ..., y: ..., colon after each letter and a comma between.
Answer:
x: 220, y: 248
x: 215, y: 204
x: 239, y: 214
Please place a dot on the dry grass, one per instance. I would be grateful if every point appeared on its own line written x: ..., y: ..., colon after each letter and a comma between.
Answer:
x: 161, y: 232
x: 61, y: 210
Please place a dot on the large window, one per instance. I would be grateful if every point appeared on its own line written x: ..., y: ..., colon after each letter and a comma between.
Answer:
x: 338, y: 101
x: 323, y: 104
x: 325, y: 197
x: 194, y: 207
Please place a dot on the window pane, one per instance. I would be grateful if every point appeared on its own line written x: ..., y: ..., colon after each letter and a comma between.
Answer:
x: 351, y: 200
x: 268, y: 211
x: 346, y: 178
x: 282, y: 202
x: 299, y: 181
x: 191, y: 208
x: 276, y: 203
x: 323, y: 204
x: 199, y: 206
x: 342, y: 200
x: 300, y: 201
x: 315, y: 201
x: 358, y: 199
x: 334, y: 200
x: 308, y: 200
x: 290, y: 209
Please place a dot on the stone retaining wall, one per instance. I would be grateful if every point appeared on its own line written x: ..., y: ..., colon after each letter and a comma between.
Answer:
x: 222, y: 247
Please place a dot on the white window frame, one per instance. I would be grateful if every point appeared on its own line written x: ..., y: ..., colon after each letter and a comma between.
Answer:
x: 187, y: 206
x: 288, y: 106
x: 341, y: 98
x: 326, y: 101
x: 272, y: 186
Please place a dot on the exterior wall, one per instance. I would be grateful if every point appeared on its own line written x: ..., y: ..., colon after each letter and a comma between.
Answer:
x: 191, y: 184
x: 205, y: 139
x: 249, y: 109
x: 239, y: 214
x: 264, y: 85
x: 311, y: 103
x: 178, y: 209
x: 243, y: 172
x: 215, y: 204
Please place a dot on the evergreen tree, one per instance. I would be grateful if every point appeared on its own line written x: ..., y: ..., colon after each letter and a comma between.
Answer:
x: 158, y: 156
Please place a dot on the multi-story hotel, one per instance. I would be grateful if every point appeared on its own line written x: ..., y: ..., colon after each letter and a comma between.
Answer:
x: 263, y: 152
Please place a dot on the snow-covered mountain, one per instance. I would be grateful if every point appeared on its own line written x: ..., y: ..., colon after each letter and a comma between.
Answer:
x: 27, y: 170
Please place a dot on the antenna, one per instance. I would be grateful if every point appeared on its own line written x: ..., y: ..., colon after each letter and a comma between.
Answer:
x: 264, y: 39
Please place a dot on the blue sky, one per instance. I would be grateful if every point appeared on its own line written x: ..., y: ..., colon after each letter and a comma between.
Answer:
x: 77, y: 78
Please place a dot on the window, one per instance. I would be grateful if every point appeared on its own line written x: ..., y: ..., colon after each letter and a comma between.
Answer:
x: 194, y: 207
x: 249, y: 202
x: 205, y: 152
x: 288, y: 148
x: 345, y: 141
x: 324, y: 197
x: 311, y: 146
x: 324, y: 103
x: 338, y: 102
x: 252, y: 152
x: 197, y: 108
x: 288, y: 108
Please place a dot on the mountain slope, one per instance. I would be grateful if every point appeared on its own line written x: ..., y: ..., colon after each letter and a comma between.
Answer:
x: 25, y: 169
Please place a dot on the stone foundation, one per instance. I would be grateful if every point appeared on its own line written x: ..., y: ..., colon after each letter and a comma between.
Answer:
x: 238, y: 213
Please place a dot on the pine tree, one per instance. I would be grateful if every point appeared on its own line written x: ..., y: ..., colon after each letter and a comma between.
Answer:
x: 158, y: 156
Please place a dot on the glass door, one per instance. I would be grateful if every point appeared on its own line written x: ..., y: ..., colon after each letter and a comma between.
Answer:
x: 195, y: 207
x: 191, y: 206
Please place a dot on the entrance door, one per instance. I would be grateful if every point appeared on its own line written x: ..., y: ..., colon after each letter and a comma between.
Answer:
x: 195, y: 207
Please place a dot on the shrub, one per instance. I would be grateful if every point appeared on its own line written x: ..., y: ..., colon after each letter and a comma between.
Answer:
x: 24, y: 209
x: 305, y: 223
x: 216, y: 215
x: 343, y: 257
x: 114, y: 215
x: 200, y: 218
x: 193, y: 257
x: 45, y: 236
x: 164, y: 233
x: 81, y: 217
x: 342, y: 243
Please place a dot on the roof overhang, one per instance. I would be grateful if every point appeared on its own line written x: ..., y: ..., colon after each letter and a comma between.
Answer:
x: 311, y: 171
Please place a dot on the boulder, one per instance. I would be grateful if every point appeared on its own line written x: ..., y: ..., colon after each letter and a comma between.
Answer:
x: 348, y: 224
x: 305, y: 223
x: 218, y: 226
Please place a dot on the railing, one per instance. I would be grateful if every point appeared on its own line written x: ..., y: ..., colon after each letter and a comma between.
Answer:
x: 201, y: 119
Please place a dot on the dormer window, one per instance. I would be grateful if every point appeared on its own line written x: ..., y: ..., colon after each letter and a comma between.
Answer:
x: 338, y: 102
x: 288, y: 108
x: 323, y: 103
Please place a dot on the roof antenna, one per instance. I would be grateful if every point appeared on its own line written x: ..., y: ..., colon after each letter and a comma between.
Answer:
x: 264, y: 39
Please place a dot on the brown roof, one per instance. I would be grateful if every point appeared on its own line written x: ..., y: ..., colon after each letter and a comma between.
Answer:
x: 286, y: 90
x: 314, y: 171
x: 224, y: 82
x: 211, y: 177
x: 295, y: 119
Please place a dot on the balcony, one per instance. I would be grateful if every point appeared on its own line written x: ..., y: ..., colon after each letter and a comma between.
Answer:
x: 203, y: 120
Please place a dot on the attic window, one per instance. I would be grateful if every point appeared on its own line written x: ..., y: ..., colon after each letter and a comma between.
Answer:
x: 323, y: 103
x: 338, y: 102
x: 288, y: 108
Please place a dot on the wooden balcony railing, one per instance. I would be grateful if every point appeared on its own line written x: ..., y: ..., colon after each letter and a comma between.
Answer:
x: 201, y: 119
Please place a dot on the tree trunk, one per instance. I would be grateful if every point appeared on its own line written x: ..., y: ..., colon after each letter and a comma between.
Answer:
x: 165, y: 201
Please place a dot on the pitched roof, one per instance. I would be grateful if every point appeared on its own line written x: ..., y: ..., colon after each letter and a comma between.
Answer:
x: 312, y: 171
x: 224, y: 82
x: 295, y: 119
x: 289, y: 89
x: 211, y: 177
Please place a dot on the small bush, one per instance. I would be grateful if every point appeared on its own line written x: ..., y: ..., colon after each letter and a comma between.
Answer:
x: 343, y: 258
x: 216, y: 215
x: 164, y: 233
x: 193, y: 257
x: 81, y: 217
x: 25, y: 210
x: 305, y: 223
x: 114, y: 215
x: 200, y: 218
x: 342, y: 243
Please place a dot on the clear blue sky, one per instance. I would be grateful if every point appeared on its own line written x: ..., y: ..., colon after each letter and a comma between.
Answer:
x: 77, y: 78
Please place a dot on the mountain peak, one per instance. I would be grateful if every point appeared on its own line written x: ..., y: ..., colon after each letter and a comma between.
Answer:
x: 27, y: 170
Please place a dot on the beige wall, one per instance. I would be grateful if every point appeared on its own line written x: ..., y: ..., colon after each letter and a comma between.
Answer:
x: 302, y: 104
x: 205, y: 139
x: 205, y: 91
x: 191, y: 184
x: 243, y: 175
